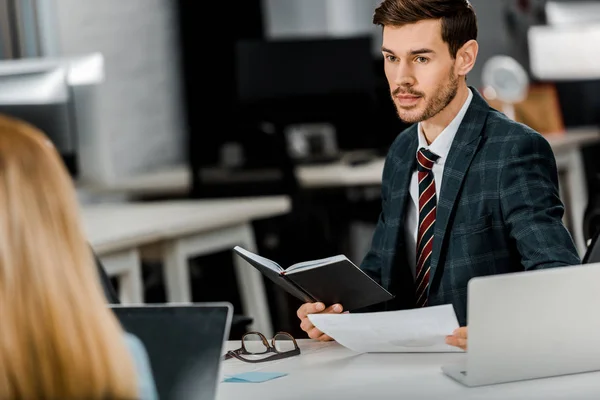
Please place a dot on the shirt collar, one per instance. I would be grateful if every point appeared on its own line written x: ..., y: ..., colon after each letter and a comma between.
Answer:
x: 441, y: 145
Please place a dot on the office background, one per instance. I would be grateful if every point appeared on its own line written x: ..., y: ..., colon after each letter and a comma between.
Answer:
x: 171, y: 98
x: 141, y: 97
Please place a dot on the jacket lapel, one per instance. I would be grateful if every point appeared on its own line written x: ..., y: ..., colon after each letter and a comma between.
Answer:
x: 405, y: 168
x: 404, y: 162
x: 457, y: 164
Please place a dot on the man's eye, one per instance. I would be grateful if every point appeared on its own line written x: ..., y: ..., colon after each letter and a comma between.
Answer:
x: 390, y: 58
x: 421, y: 60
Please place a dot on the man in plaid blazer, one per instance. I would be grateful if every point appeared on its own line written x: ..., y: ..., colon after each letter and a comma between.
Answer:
x: 466, y: 191
x: 498, y: 210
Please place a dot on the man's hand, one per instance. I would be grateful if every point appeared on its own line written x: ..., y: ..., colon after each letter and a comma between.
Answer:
x: 316, y: 308
x: 458, y: 338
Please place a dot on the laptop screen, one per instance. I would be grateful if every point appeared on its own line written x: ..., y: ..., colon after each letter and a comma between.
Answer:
x: 184, y: 344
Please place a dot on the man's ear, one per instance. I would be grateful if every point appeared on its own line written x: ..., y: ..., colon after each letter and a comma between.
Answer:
x: 466, y: 57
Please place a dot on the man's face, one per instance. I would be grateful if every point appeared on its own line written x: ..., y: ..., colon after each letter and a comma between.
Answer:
x: 419, y: 70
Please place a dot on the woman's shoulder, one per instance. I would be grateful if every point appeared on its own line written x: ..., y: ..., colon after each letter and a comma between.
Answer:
x: 143, y: 368
x: 135, y: 345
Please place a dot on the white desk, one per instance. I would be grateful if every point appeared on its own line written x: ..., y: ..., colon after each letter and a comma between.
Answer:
x: 566, y: 149
x: 329, y: 371
x: 572, y: 178
x: 176, y: 180
x: 123, y: 233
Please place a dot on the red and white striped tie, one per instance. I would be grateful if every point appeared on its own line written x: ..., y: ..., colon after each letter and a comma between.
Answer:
x: 427, y: 208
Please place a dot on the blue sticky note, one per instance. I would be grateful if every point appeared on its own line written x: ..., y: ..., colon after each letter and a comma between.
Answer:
x: 254, y: 377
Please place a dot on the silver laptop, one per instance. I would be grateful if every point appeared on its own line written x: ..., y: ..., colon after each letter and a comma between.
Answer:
x: 184, y: 344
x: 532, y: 324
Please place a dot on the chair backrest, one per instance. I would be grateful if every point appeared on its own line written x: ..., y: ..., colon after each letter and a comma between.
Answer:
x: 107, y: 287
x: 592, y: 254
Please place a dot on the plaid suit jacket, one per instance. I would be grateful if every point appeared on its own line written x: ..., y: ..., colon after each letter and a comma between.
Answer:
x: 498, y: 211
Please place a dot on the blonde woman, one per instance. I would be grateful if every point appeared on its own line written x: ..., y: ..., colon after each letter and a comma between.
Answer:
x: 58, y: 339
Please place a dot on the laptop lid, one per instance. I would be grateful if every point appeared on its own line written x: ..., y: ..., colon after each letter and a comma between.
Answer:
x: 184, y: 342
x: 533, y: 324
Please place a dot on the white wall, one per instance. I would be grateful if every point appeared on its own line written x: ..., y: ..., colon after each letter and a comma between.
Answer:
x: 310, y: 18
x: 140, y: 102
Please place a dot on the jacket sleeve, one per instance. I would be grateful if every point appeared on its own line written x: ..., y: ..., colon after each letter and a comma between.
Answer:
x: 531, y: 206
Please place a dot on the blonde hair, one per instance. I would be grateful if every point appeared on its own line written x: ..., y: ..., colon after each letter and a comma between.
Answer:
x: 58, y: 339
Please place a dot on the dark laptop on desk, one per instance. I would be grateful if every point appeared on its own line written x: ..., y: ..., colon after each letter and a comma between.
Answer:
x: 532, y: 324
x: 184, y: 343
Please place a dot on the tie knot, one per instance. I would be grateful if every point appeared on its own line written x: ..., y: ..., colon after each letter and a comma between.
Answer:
x: 426, y: 159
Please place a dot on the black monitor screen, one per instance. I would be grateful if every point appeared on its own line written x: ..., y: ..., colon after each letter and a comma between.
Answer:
x: 275, y: 69
x: 311, y: 80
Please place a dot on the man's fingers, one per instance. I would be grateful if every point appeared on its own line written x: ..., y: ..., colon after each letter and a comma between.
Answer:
x: 462, y: 343
x: 315, y: 308
x: 314, y: 333
x: 318, y: 335
x: 325, y: 338
x: 306, y: 325
x: 460, y: 332
x: 452, y: 341
x: 457, y: 342
x: 336, y: 308
x: 309, y: 308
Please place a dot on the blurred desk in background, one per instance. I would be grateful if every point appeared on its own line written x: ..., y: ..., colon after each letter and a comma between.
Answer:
x: 572, y: 177
x: 175, y: 181
x: 124, y: 233
x: 340, y: 174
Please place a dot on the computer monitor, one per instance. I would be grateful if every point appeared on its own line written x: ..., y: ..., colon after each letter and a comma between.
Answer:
x: 281, y: 68
x: 551, y: 49
x: 42, y: 98
x: 63, y: 104
x: 310, y: 81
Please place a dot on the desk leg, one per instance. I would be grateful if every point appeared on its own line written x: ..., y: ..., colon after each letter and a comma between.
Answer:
x: 126, y: 266
x: 578, y: 197
x: 175, y: 255
x: 177, y: 272
x: 251, y: 286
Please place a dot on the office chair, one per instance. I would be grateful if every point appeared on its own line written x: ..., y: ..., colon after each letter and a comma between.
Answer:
x: 109, y: 291
x: 592, y: 255
x: 591, y: 220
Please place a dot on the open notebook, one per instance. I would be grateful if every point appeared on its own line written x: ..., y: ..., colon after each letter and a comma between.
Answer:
x: 329, y: 280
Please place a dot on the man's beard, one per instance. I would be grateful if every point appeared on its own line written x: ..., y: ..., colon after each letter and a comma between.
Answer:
x: 443, y: 95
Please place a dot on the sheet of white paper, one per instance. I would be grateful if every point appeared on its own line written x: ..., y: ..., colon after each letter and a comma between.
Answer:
x: 421, y: 330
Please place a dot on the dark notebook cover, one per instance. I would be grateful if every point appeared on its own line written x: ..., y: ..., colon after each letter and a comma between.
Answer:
x: 340, y: 281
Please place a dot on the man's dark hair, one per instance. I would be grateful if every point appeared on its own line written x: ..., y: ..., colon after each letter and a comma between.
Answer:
x: 459, y: 22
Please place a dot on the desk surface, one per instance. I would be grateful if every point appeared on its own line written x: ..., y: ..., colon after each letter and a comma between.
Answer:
x: 573, y: 138
x: 176, y: 180
x: 117, y: 226
x: 330, y: 371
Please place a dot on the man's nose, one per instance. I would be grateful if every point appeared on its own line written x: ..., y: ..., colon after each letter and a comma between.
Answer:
x: 404, y: 76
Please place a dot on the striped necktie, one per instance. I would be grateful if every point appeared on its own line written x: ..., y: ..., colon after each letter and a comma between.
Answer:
x: 427, y: 207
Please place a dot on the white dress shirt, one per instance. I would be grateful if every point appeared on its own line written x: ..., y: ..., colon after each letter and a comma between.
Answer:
x: 441, y: 147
